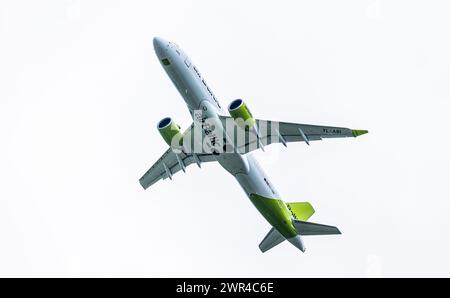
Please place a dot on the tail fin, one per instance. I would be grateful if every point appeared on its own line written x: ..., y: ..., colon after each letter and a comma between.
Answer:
x: 308, y: 228
x: 272, y: 239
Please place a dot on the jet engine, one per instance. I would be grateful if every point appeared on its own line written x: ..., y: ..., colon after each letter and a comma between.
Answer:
x: 244, y: 119
x: 170, y: 132
x: 241, y: 114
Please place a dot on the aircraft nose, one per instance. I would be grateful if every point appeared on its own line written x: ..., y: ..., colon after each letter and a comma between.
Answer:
x: 159, y: 45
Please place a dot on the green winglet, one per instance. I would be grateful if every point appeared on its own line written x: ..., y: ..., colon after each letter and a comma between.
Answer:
x: 357, y: 132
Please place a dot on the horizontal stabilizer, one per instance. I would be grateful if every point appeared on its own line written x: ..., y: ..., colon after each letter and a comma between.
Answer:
x: 301, y: 211
x: 272, y: 239
x: 308, y: 228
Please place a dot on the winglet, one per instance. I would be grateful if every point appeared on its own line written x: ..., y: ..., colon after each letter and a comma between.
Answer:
x: 357, y: 133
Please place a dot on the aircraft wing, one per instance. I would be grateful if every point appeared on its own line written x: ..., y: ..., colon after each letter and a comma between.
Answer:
x: 283, y: 132
x: 169, y: 164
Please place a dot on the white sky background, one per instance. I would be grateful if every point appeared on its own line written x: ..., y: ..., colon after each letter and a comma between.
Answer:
x: 81, y: 92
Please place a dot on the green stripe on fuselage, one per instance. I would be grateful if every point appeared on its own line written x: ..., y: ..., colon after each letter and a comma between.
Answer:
x: 276, y: 213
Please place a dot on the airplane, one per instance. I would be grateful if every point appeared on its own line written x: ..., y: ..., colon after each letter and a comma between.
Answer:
x: 229, y: 140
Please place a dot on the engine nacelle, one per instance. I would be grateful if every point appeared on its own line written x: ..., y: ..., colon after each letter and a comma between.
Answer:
x: 170, y: 132
x: 241, y: 114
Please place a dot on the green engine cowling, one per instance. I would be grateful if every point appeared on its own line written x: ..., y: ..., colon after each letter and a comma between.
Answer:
x: 170, y: 132
x: 241, y: 114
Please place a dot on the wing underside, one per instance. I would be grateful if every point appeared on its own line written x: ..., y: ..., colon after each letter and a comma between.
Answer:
x: 169, y: 164
x: 283, y: 132
x: 244, y: 141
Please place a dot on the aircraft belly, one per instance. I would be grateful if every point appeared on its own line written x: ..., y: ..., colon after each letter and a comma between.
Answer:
x: 234, y: 163
x: 255, y: 181
x: 265, y: 198
x: 186, y: 84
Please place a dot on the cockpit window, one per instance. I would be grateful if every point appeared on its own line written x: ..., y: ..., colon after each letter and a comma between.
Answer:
x: 165, y: 61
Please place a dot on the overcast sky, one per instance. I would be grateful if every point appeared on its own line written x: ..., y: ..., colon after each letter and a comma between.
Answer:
x: 81, y: 91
